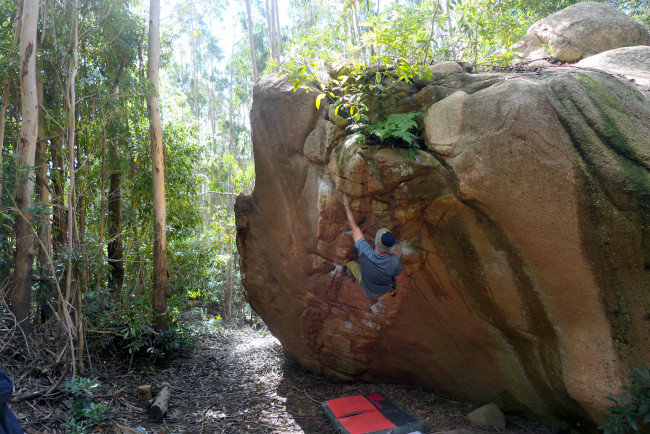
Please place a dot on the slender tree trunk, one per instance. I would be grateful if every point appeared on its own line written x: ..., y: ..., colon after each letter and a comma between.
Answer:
x: 433, y: 27
x: 70, y: 99
x: 229, y: 285
x: 356, y: 30
x: 102, y: 203
x: 231, y: 149
x: 251, y: 39
x: 71, y: 102
x: 195, y: 67
x: 158, y: 168
x: 114, y: 247
x: 83, y: 275
x: 278, y: 37
x: 44, y: 232
x: 22, y: 282
x: 59, y: 216
x: 270, y: 24
x: 115, y: 253
x: 348, y: 37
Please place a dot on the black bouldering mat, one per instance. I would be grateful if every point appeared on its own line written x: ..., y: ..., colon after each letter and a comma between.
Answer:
x: 373, y: 413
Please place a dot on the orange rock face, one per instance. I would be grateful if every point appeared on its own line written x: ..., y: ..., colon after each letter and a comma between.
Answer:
x: 525, y: 227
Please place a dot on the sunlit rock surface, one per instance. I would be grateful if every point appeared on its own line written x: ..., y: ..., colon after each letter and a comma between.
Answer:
x: 632, y: 63
x: 525, y: 225
x: 579, y: 31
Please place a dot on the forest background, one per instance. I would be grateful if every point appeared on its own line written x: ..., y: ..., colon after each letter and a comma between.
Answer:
x: 84, y: 236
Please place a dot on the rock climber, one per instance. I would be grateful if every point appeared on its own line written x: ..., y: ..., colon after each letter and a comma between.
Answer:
x: 379, y: 270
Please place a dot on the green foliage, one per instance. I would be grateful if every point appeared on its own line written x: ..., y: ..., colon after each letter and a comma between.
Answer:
x: 84, y: 413
x: 637, y: 9
x: 194, y: 270
x: 364, y: 95
x: 358, y: 93
x: 178, y: 338
x: 631, y: 412
x: 210, y: 325
x: 7, y: 234
x: 133, y: 331
x: 399, y: 129
x: 397, y: 44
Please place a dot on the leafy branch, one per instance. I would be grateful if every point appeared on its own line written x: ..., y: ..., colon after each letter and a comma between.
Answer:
x: 631, y: 412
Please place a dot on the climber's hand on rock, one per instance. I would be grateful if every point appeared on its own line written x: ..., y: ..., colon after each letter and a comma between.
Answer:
x: 397, y: 250
x: 346, y: 199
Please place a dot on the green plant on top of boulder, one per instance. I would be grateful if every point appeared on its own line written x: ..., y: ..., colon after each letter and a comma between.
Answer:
x: 631, y: 412
x: 359, y: 93
x: 399, y: 129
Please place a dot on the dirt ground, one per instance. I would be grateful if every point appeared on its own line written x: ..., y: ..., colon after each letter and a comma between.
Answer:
x: 238, y: 380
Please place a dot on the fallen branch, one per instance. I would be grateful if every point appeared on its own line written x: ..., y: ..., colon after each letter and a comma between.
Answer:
x: 49, y: 391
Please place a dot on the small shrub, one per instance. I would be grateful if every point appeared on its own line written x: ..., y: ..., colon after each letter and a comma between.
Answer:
x: 631, y: 412
x: 84, y: 413
x: 178, y: 338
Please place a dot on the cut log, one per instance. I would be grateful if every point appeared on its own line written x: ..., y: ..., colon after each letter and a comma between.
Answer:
x: 160, y: 403
x: 144, y: 393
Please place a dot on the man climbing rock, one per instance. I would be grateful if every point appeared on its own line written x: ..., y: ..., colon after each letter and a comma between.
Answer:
x: 379, y: 269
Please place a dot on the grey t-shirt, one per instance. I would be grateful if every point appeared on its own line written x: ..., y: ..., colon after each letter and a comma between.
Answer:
x: 377, y: 271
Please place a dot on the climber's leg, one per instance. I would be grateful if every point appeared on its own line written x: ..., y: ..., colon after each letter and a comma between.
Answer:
x: 353, y: 271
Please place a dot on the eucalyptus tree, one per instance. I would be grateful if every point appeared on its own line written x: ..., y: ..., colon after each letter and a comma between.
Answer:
x: 251, y: 39
x: 26, y: 150
x: 275, y: 35
x: 158, y: 171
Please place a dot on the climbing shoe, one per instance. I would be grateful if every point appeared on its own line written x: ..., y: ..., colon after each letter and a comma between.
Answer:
x: 348, y: 274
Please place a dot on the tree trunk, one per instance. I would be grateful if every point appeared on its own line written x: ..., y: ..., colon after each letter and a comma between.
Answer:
x: 231, y: 149
x: 44, y: 232
x: 195, y: 68
x: 433, y: 28
x: 70, y: 99
x: 356, y: 30
x: 71, y: 103
x: 270, y: 24
x: 59, y: 219
x: 114, y: 247
x: 229, y: 285
x: 251, y: 39
x: 83, y: 275
x: 158, y: 169
x: 22, y: 282
x: 102, y: 203
x: 278, y: 37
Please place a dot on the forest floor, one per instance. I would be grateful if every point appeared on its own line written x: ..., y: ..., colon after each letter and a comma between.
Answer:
x: 239, y: 380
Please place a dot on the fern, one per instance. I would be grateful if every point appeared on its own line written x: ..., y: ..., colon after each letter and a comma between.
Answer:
x: 398, y: 127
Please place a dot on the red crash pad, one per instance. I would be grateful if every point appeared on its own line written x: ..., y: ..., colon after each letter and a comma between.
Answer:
x: 372, y: 413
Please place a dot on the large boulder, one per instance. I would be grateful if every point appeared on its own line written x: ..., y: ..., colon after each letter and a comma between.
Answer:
x: 525, y: 227
x: 631, y: 62
x: 579, y: 31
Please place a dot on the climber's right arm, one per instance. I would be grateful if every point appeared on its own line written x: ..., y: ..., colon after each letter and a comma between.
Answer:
x: 356, y: 232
